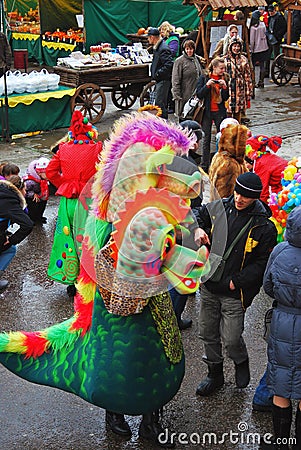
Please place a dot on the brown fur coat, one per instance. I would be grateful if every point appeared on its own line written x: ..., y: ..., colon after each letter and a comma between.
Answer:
x: 228, y: 162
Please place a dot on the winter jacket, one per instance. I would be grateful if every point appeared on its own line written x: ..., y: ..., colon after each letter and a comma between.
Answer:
x: 185, y: 74
x: 12, y: 205
x: 282, y: 281
x: 203, y: 91
x: 72, y: 167
x: 162, y: 62
x: 269, y: 168
x: 277, y: 25
x: 258, y: 39
x: 173, y: 43
x: 34, y: 184
x: 246, y: 264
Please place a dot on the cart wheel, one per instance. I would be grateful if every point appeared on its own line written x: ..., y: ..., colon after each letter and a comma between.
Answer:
x: 279, y: 73
x: 147, y: 95
x: 90, y: 100
x: 122, y: 98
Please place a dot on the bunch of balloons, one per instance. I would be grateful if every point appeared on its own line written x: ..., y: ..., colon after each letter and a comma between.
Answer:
x: 288, y: 198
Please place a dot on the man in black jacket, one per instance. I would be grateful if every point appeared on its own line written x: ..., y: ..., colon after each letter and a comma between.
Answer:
x: 12, y: 205
x: 224, y: 302
x: 161, y: 69
x: 277, y: 27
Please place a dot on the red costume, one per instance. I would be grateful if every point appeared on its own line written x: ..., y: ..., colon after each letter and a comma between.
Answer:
x: 267, y: 166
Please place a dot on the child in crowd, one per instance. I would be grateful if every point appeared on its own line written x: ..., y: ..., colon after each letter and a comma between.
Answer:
x: 37, y: 189
x: 12, y: 207
x: 7, y: 169
x: 282, y: 282
x: 267, y: 165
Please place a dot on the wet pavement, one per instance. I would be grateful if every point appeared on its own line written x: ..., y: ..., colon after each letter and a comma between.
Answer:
x: 35, y: 417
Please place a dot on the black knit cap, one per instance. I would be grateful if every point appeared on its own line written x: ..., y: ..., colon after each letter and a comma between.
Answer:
x: 248, y: 185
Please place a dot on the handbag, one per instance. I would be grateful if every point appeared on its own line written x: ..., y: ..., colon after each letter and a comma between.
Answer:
x: 199, y: 111
x: 271, y: 38
x: 190, y: 107
x: 217, y: 275
x: 193, y: 108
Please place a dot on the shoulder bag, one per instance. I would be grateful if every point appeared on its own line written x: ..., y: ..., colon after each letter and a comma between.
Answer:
x: 217, y: 275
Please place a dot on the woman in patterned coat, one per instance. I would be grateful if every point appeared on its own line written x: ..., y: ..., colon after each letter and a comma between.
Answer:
x: 240, y: 86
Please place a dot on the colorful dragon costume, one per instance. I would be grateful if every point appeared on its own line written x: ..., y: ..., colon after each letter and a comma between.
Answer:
x: 122, y: 348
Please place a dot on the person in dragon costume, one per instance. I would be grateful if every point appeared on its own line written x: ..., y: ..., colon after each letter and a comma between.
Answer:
x: 122, y: 349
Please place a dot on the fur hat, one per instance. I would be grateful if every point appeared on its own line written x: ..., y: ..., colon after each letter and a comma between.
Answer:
x: 248, y: 185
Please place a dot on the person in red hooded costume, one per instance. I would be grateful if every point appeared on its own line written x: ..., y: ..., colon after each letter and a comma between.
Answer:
x: 70, y: 169
x: 268, y: 166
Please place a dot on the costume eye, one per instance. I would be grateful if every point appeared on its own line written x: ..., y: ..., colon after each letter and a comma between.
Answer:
x: 169, y: 243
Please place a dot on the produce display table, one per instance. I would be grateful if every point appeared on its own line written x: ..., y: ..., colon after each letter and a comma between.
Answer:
x: 54, y: 50
x: 29, y: 41
x: 38, y: 112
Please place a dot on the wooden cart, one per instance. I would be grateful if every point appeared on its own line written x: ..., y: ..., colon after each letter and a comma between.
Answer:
x: 288, y: 62
x: 124, y: 82
x: 286, y: 65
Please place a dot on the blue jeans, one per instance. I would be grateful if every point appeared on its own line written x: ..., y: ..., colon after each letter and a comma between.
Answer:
x: 178, y: 302
x: 7, y: 256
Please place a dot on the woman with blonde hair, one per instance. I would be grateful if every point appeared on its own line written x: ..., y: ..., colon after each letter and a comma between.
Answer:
x: 171, y: 39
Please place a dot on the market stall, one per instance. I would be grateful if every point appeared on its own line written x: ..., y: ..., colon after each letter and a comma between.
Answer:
x: 43, y: 28
x: 210, y: 32
x: 37, y: 112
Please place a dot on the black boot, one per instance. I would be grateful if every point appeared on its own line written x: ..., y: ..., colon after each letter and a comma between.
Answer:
x: 3, y: 283
x: 242, y: 374
x: 151, y: 430
x: 213, y: 381
x: 282, y: 420
x: 118, y: 424
x: 297, y: 445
